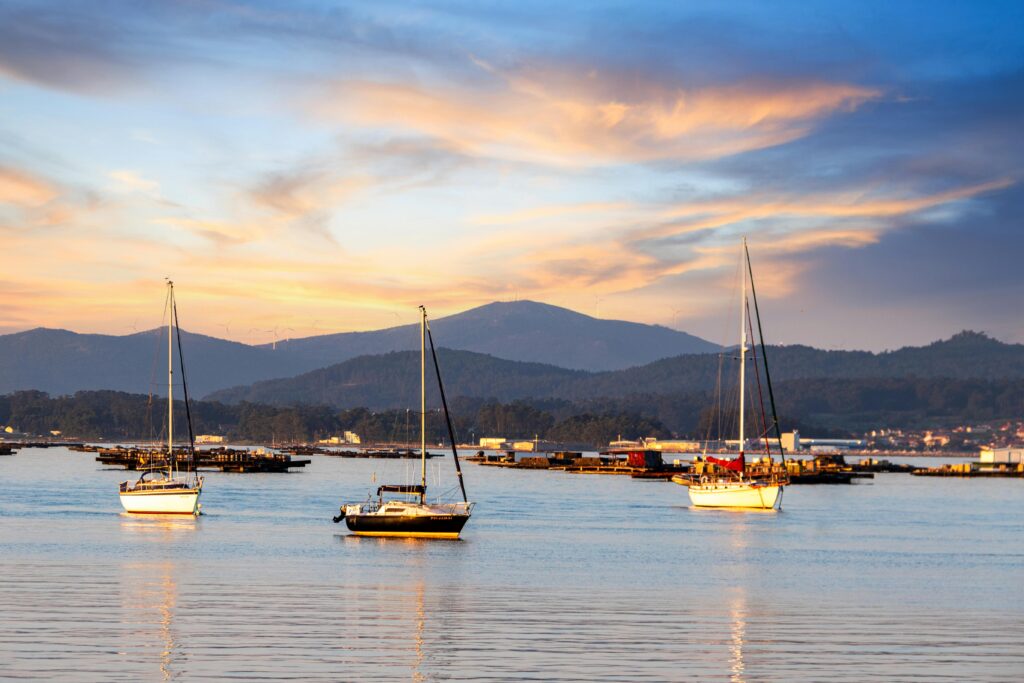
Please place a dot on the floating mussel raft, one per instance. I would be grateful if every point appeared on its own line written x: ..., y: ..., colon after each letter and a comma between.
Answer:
x: 223, y: 459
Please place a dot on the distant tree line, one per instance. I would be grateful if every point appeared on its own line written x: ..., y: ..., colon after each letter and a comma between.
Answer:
x: 117, y: 415
x: 823, y: 407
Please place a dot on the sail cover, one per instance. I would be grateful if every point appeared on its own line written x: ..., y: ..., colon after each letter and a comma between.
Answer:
x: 415, y: 489
x: 736, y: 464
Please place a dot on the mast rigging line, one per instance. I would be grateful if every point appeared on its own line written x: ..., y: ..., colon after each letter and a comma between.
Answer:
x: 184, y: 386
x: 444, y: 402
x: 760, y: 394
x: 764, y: 355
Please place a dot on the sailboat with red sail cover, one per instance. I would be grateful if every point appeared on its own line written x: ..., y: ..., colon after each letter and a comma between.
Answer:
x: 732, y: 486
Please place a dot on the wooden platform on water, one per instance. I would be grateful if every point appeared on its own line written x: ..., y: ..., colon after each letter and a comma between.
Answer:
x: 969, y: 470
x: 223, y: 459
x: 375, y: 453
x: 573, y: 463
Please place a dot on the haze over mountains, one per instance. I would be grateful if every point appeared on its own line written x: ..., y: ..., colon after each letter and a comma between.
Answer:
x: 62, y: 362
x: 391, y: 380
x: 519, y: 330
x: 506, y: 351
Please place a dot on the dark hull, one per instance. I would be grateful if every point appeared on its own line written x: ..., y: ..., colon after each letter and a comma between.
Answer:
x: 428, y: 526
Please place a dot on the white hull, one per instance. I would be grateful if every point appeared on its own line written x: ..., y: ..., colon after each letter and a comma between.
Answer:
x: 184, y: 502
x: 735, y: 494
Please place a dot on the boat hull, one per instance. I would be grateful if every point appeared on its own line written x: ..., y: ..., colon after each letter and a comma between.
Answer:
x: 407, y: 526
x: 735, y: 495
x: 180, y: 502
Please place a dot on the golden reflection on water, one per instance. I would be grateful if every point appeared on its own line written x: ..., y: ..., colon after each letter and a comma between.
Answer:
x: 170, y: 594
x: 421, y: 620
x: 163, y: 527
x: 395, y: 540
x: 150, y: 590
x: 418, y: 609
x: 738, y: 631
x: 739, y: 538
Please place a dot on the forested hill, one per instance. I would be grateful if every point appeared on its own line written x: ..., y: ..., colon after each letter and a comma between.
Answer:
x: 821, y: 390
x: 528, y: 331
x: 967, y: 355
x: 391, y: 380
x: 63, y: 362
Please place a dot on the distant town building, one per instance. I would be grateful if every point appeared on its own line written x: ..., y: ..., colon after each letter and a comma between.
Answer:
x: 348, y: 437
x: 209, y: 438
x: 1002, y: 456
x: 791, y: 441
x: 533, y: 446
x: 500, y: 443
x: 932, y: 439
x: 671, y: 445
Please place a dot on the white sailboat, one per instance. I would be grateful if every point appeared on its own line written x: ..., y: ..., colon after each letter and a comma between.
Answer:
x: 162, y: 492
x: 415, y: 518
x: 735, y: 489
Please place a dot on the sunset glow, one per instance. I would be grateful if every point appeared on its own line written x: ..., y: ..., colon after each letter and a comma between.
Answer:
x: 299, y: 168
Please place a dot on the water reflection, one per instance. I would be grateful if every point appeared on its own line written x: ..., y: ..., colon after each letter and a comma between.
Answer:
x: 396, y: 540
x: 738, y: 632
x: 421, y: 620
x: 563, y: 579
x: 150, y: 592
x: 739, y: 541
x: 732, y: 511
x: 149, y: 604
x: 159, y: 527
x: 411, y: 618
x: 169, y: 592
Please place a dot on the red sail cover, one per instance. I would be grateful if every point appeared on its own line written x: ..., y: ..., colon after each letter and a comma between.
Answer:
x: 735, y: 465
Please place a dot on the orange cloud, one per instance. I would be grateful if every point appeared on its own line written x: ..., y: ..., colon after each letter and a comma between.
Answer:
x: 572, y: 118
x: 23, y: 189
x: 708, y: 215
x: 612, y: 261
x: 220, y: 232
x: 256, y: 276
x: 299, y: 194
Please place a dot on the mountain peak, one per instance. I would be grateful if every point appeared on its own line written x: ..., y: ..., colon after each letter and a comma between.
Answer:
x: 521, y: 330
x: 519, y: 307
x: 968, y: 340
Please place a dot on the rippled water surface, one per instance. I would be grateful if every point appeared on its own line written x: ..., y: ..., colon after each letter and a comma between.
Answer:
x: 558, y: 577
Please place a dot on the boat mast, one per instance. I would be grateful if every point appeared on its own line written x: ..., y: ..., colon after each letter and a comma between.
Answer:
x: 743, y: 341
x: 170, y: 377
x: 423, y: 404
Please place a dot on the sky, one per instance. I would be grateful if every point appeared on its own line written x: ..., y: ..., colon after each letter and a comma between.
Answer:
x: 300, y: 168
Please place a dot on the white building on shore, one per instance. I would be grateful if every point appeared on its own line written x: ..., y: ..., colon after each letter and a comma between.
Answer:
x: 1011, y: 455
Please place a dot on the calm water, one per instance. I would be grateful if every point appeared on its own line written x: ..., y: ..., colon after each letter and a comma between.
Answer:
x: 558, y: 577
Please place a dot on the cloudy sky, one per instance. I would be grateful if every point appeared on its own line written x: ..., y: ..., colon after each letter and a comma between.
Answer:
x: 309, y: 167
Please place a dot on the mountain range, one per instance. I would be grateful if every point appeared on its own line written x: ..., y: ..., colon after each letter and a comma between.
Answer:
x: 525, y: 331
x: 63, y: 362
x: 391, y: 380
